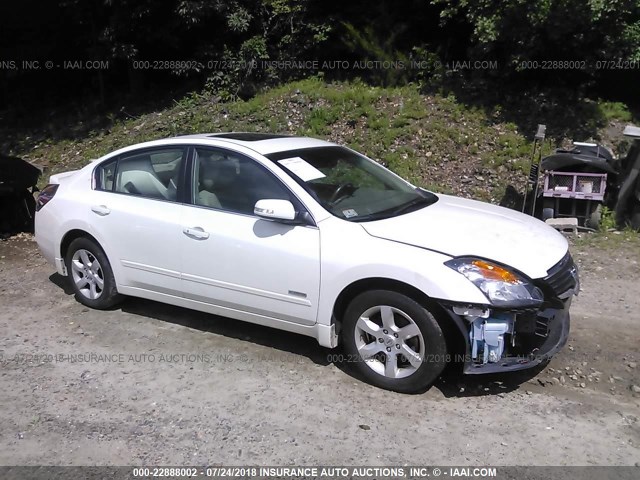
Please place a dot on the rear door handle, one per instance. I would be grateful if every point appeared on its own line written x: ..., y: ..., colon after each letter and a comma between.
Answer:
x: 195, y: 232
x: 100, y: 210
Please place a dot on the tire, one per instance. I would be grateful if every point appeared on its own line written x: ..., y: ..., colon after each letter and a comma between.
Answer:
x: 367, y: 346
x: 90, y: 275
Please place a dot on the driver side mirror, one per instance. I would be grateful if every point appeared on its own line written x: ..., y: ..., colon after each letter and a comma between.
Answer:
x: 272, y: 209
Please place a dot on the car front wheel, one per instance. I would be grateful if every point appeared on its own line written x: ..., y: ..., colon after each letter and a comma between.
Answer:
x: 393, y: 341
x: 91, y: 275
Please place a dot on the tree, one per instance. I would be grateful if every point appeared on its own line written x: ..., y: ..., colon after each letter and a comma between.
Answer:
x: 517, y: 30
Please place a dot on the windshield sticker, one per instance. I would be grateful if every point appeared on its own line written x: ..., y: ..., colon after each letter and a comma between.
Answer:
x: 349, y: 213
x: 301, y: 169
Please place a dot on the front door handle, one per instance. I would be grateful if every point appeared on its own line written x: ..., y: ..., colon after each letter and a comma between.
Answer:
x: 195, y: 232
x: 101, y: 210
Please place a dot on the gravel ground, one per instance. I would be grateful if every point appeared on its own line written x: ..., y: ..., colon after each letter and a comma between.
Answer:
x: 156, y: 384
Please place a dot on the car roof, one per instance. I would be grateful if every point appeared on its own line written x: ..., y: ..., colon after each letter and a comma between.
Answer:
x: 263, y: 143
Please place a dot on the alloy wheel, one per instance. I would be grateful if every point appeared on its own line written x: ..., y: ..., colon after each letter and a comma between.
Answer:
x: 87, y: 274
x: 389, y: 341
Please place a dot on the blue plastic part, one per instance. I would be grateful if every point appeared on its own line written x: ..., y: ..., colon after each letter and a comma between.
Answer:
x: 487, y: 337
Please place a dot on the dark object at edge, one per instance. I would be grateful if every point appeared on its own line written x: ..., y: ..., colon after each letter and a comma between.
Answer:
x: 627, y: 207
x: 582, y: 159
x: 18, y: 179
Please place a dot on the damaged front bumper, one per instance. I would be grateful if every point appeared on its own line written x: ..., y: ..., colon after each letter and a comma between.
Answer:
x: 501, y: 340
x: 512, y: 340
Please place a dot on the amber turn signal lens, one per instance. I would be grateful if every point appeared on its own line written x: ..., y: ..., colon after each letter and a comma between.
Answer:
x: 493, y: 272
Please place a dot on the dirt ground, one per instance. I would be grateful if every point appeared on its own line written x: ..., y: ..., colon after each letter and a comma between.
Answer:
x: 154, y: 384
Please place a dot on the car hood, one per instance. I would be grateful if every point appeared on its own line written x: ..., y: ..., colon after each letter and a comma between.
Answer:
x: 460, y: 227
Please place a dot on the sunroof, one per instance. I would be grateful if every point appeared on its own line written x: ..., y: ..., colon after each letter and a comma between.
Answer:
x: 249, y: 137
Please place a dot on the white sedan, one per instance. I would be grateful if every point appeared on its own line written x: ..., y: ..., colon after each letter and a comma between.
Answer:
x: 314, y: 238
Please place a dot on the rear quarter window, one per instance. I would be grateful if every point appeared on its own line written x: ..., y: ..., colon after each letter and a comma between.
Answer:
x: 105, y: 175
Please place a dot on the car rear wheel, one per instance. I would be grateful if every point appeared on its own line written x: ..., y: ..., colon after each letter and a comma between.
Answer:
x: 91, y: 275
x: 393, y: 341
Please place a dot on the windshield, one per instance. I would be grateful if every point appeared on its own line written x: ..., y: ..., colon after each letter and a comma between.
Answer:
x: 349, y: 185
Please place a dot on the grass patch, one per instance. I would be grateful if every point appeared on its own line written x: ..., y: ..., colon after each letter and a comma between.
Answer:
x: 605, y: 240
x: 432, y: 140
x: 615, y: 111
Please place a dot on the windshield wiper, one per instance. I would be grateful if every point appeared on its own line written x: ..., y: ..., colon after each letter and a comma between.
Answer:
x: 424, y: 201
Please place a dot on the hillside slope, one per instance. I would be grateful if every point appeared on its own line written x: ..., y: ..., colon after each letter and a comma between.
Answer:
x: 434, y: 140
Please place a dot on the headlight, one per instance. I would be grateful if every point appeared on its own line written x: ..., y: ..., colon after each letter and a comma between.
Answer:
x: 502, y: 287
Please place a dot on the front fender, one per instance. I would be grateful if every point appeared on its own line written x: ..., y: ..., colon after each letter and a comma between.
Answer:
x: 357, y: 256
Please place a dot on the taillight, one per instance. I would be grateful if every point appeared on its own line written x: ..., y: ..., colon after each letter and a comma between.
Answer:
x: 46, y: 194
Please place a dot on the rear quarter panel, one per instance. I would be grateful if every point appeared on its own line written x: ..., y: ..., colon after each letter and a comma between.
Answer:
x: 70, y: 209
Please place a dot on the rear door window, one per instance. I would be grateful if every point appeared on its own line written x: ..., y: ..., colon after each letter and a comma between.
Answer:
x: 150, y: 173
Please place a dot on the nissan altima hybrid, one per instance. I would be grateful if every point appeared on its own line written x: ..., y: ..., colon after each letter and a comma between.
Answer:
x: 310, y: 237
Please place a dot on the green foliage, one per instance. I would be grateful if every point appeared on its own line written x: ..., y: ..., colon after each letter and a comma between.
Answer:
x: 431, y: 72
x: 520, y: 30
x: 435, y: 141
x: 276, y: 30
x: 615, y: 111
x: 512, y: 150
x: 233, y: 46
x: 388, y: 63
x: 239, y: 19
x: 226, y: 39
x: 607, y: 220
x: 320, y: 120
